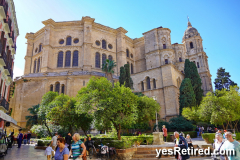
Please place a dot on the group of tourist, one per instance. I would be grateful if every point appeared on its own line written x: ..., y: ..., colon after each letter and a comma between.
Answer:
x: 62, y: 149
x: 221, y: 142
x: 25, y: 138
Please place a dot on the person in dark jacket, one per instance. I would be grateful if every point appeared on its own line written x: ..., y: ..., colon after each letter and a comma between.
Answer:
x: 182, y: 143
x: 19, y: 139
x: 29, y: 137
x: 68, y: 140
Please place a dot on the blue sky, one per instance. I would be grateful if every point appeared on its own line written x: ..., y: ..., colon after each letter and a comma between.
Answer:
x: 218, y: 22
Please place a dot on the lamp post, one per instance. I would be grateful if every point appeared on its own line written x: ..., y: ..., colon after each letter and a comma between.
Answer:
x: 157, y: 130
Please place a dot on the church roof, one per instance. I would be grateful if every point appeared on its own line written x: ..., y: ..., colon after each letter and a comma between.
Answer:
x: 190, y: 31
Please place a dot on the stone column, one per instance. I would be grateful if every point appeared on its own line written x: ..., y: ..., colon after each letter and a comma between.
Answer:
x: 87, y: 43
x: 121, y: 49
x: 158, y: 138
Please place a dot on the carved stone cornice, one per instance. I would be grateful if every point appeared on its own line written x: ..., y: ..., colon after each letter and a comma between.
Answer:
x: 122, y: 30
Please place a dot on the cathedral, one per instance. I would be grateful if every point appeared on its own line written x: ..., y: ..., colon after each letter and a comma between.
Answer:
x: 62, y: 57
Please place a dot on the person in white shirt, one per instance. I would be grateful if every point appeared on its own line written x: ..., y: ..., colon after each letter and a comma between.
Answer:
x: 54, y: 142
x: 48, y: 152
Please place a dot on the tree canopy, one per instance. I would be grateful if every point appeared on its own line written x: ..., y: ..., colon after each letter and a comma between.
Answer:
x: 33, y: 118
x: 223, y: 80
x: 116, y: 106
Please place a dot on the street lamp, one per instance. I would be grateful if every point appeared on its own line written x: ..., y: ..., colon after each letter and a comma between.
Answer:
x: 157, y: 130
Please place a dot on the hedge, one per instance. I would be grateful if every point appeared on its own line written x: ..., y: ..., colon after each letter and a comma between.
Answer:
x: 208, y: 137
x: 43, y: 142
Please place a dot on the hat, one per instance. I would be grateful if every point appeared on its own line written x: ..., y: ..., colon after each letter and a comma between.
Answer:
x: 225, y: 130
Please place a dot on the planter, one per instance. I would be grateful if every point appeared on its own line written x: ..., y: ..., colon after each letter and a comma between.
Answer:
x: 126, y: 154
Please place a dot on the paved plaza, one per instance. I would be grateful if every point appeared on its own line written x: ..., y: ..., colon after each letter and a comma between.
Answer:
x: 28, y: 152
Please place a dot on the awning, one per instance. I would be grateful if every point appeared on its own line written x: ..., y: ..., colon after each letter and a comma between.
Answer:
x: 7, y: 118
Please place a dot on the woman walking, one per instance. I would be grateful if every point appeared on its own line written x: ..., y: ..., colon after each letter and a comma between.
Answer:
x: 78, y: 148
x: 62, y: 151
x: 164, y: 129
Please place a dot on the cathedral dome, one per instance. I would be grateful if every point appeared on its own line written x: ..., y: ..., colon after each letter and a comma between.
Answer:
x: 190, y: 32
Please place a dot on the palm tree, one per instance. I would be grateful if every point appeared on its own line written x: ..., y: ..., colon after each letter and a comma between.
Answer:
x: 107, y: 67
x: 33, y: 118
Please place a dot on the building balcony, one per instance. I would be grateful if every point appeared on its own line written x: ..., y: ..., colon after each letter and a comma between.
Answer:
x: 7, y: 25
x: 4, y: 103
x: 8, y: 69
x: 3, y: 56
x: 3, y: 9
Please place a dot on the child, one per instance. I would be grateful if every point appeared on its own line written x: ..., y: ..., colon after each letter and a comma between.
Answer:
x: 48, y: 152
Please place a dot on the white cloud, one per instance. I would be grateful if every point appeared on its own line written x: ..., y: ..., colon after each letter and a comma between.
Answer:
x: 17, y: 72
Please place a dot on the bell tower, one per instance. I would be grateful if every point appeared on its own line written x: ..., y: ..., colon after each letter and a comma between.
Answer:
x: 195, y: 53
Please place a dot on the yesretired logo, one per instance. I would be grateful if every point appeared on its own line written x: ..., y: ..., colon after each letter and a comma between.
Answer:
x: 194, y: 152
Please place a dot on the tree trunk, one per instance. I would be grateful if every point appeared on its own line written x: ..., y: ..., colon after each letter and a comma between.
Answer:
x: 85, y: 133
x: 109, y: 77
x: 119, y: 132
x: 49, y: 132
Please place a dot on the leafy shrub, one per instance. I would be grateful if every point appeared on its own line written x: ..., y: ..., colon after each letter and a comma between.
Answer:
x: 180, y: 124
x: 43, y: 142
x: 238, y: 136
x: 208, y: 137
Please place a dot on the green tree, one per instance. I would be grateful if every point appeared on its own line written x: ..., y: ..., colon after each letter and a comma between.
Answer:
x: 108, y: 68
x: 46, y: 107
x: 223, y: 80
x: 65, y: 115
x: 117, y: 105
x: 191, y: 72
x: 187, y: 96
x: 122, y: 76
x: 33, y: 118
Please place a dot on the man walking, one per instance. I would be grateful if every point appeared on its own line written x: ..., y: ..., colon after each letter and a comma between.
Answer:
x: 54, y: 142
x: 232, y: 144
x: 19, y: 139
x: 182, y: 143
x: 68, y: 140
x: 29, y: 137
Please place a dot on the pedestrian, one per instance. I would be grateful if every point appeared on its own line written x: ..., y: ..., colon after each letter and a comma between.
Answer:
x: 48, y: 151
x: 202, y: 129
x: 189, y: 141
x: 164, y: 129
x: 54, y: 143
x: 68, y: 140
x: 89, y: 144
x: 78, y: 150
x: 19, y: 139
x: 62, y: 152
x: 232, y: 144
x: 218, y: 146
x: 197, y: 131
x: 29, y: 135
x: 12, y: 139
x: 182, y: 143
x: 25, y: 138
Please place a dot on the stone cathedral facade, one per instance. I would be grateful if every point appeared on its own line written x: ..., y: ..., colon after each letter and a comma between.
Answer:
x: 62, y: 56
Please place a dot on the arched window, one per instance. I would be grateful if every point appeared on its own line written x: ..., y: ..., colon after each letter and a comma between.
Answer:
x: 164, y: 46
x: 69, y: 40
x: 63, y: 87
x: 131, y: 68
x: 127, y: 51
x: 35, y: 66
x: 191, y: 45
x: 148, y: 83
x: 57, y: 87
x: 166, y: 61
x: 97, y: 60
x: 154, y: 83
x: 180, y: 59
x: 110, y: 57
x: 68, y: 59
x: 198, y: 65
x: 38, y: 67
x: 40, y: 48
x: 104, y: 46
x: 60, y: 59
x: 75, y: 59
x: 51, y: 87
x: 142, y: 84
x: 104, y: 57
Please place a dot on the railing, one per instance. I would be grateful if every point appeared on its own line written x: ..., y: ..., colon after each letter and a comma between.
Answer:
x: 3, y: 55
x: 9, y: 68
x: 4, y: 103
x: 165, y: 47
